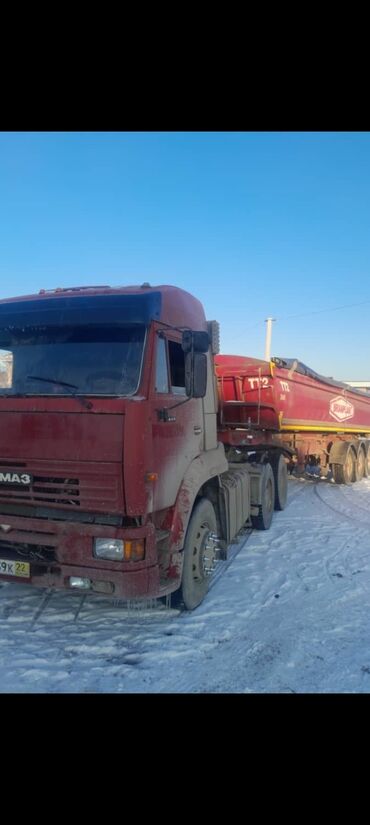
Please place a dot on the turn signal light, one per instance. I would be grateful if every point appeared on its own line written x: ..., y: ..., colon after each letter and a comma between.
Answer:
x: 134, y: 550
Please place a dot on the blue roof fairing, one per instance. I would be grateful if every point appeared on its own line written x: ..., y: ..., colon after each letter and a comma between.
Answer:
x: 82, y: 310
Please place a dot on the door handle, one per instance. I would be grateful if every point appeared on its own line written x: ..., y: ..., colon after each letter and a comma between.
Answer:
x: 197, y: 430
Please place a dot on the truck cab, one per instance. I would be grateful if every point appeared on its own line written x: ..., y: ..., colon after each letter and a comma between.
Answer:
x: 108, y: 437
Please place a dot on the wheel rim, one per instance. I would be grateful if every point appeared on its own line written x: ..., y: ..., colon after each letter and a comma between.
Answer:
x: 203, y: 553
x: 367, y: 462
x: 348, y: 466
x: 361, y: 464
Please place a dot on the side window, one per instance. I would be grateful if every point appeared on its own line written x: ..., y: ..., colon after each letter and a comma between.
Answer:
x: 177, y: 367
x: 6, y: 369
x: 161, y: 374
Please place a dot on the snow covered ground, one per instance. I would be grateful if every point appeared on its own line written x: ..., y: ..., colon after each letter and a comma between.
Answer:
x: 289, y: 614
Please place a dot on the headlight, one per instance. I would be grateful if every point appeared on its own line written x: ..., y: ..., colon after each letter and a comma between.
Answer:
x: 119, y: 550
x: 108, y: 549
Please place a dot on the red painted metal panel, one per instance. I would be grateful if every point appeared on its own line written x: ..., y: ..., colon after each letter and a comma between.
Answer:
x: 274, y: 398
x: 137, y: 458
x: 60, y: 435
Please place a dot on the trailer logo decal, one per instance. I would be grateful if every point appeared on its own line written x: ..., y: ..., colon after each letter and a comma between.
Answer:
x: 15, y: 478
x: 254, y: 383
x: 341, y: 409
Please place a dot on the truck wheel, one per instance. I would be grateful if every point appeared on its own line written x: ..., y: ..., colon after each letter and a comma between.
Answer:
x: 198, y: 555
x: 280, y: 471
x: 266, y: 508
x: 343, y: 473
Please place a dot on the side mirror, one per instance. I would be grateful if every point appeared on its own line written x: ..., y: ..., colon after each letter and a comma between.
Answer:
x: 197, y: 341
x: 195, y: 374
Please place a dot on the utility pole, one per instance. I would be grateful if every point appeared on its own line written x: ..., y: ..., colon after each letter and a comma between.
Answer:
x: 268, y: 338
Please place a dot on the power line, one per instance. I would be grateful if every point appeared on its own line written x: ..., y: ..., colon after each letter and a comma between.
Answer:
x: 313, y: 312
x: 302, y: 315
x: 319, y: 311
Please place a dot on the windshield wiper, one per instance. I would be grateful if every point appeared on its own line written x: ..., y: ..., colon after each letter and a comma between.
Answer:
x: 51, y: 381
x: 81, y: 398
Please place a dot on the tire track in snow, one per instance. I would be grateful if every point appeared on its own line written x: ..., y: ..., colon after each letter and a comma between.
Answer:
x: 351, y: 511
x: 260, y: 627
x: 342, y: 564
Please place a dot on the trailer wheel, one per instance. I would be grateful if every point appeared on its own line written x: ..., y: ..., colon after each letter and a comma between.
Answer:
x: 360, y: 464
x: 344, y: 473
x: 199, y: 551
x: 367, y: 463
x: 266, y: 508
x: 280, y: 471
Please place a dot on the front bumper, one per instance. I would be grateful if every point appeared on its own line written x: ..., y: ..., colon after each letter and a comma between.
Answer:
x: 57, y: 550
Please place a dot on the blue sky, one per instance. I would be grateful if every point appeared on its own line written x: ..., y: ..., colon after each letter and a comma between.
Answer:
x: 254, y: 224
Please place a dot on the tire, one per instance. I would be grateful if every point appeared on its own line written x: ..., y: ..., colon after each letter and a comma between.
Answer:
x: 280, y: 470
x: 360, y: 464
x: 344, y: 473
x: 367, y: 463
x: 194, y: 583
x: 266, y: 508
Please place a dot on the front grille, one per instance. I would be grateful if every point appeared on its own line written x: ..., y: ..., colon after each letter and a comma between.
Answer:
x: 98, y: 486
x: 44, y: 488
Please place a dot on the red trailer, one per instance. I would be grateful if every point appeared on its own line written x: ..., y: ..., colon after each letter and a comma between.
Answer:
x: 324, y: 422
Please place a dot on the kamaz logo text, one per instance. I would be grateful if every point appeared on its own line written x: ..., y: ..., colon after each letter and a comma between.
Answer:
x: 14, y: 478
x: 341, y: 409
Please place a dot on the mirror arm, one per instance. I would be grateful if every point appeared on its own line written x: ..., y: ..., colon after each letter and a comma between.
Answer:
x: 163, y: 412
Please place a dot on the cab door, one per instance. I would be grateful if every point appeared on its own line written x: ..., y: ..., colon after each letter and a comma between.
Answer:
x: 177, y: 422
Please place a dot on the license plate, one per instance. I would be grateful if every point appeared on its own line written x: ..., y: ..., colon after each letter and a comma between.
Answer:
x: 14, y: 568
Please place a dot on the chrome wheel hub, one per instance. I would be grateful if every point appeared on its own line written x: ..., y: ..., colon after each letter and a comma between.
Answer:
x: 205, y: 553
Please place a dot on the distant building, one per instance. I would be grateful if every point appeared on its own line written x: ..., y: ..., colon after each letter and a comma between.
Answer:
x: 360, y: 385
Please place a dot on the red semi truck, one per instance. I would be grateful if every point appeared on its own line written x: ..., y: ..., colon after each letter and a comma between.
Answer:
x: 116, y: 477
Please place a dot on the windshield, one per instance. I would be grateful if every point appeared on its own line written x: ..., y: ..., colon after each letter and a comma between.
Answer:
x: 87, y: 360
